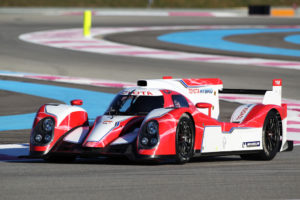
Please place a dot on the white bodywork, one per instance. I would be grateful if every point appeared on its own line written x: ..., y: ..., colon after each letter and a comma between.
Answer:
x: 273, y: 97
x: 157, y: 113
x: 104, y: 127
x: 284, y: 145
x: 240, y: 139
x: 126, y: 139
x: 77, y: 136
x: 61, y: 111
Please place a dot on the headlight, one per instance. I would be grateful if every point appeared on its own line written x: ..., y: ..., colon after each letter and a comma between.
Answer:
x: 153, y: 141
x: 144, y: 141
x: 47, y: 138
x: 48, y: 124
x: 149, y: 136
x: 152, y: 127
x: 38, y: 138
x: 43, y: 132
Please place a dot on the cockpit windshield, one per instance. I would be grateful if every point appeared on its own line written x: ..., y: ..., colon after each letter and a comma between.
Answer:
x: 134, y: 104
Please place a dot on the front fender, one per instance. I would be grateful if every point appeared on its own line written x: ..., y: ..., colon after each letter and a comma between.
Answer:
x: 167, y: 122
x: 65, y: 118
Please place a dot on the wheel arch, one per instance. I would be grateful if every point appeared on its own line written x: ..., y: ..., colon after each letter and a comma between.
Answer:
x: 66, y: 118
x: 278, y: 116
x: 192, y: 118
x: 181, y: 159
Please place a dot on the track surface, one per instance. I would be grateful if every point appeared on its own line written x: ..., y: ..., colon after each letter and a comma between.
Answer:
x: 219, y: 178
x: 17, y: 55
x: 225, y: 178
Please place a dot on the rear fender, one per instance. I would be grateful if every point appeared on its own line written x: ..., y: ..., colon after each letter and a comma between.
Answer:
x: 257, y: 115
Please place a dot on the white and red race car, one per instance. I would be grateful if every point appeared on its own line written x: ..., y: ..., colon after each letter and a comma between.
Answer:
x: 163, y: 119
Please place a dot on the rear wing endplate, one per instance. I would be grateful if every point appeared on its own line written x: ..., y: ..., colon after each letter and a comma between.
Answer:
x: 270, y: 97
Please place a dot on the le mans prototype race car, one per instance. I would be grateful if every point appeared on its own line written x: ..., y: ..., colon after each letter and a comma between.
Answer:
x: 164, y: 119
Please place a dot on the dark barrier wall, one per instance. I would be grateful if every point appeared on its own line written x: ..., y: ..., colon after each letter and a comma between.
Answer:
x: 259, y: 10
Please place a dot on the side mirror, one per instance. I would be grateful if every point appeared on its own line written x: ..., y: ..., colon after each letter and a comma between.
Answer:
x: 205, y: 105
x: 76, y: 102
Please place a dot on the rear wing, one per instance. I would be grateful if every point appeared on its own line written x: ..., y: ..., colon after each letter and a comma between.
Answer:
x: 270, y: 97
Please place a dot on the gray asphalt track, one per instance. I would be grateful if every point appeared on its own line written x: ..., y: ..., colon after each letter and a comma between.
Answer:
x: 18, y: 55
x: 210, y: 178
x: 214, y: 178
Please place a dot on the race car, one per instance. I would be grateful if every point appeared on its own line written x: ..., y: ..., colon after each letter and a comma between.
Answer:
x: 173, y: 119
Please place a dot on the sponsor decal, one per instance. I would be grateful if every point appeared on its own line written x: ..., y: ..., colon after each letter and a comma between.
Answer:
x: 251, y: 144
x: 243, y: 113
x: 200, y: 91
x: 144, y: 93
x: 107, y: 122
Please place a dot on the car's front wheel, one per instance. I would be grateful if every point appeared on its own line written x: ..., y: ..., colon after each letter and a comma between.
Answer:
x: 185, y: 137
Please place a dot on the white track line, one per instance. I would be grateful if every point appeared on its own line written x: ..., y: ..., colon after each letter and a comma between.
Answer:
x: 73, y: 39
x: 11, y: 152
x: 68, y: 79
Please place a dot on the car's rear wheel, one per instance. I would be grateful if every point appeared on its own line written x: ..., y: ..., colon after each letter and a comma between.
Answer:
x: 185, y: 136
x: 270, y: 138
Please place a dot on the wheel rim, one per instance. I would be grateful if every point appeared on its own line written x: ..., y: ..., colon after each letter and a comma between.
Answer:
x: 185, y: 139
x: 271, y: 136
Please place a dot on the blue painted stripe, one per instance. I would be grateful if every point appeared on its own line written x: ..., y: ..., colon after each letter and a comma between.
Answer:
x: 16, y: 122
x: 183, y: 83
x: 95, y: 103
x: 214, y: 39
x: 293, y: 39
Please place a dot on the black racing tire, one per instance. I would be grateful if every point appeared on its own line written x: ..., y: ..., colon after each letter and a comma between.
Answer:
x: 290, y: 146
x: 249, y: 156
x: 59, y: 158
x: 270, y: 138
x: 184, y: 140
